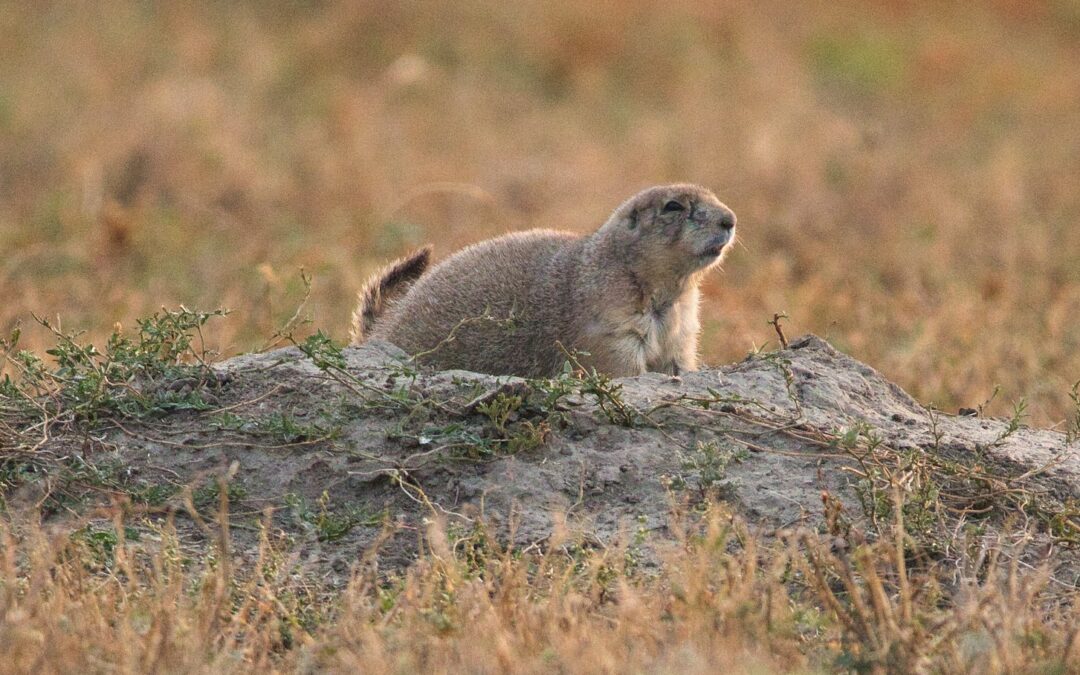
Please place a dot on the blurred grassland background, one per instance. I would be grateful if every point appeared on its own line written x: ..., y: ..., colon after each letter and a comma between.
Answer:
x: 906, y: 175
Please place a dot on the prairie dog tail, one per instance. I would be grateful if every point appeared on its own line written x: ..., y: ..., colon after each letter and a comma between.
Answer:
x: 384, y: 285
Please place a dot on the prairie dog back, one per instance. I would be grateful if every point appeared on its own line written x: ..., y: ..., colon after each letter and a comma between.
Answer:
x: 488, y: 307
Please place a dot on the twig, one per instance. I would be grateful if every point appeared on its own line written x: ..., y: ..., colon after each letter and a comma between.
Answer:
x: 775, y: 323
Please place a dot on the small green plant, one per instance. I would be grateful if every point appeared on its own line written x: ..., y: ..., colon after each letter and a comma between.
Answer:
x: 576, y: 378
x: 633, y: 555
x: 500, y: 410
x: 288, y: 429
x: 1014, y: 423
x: 474, y: 546
x: 528, y: 436
x: 783, y: 366
x: 609, y: 398
x: 153, y: 494
x: 208, y: 495
x: 279, y: 425
x: 882, y: 469
x: 14, y: 473
x: 97, y: 547
x: 162, y: 367
x: 504, y: 412
x: 328, y: 525
x: 705, y: 467
x: 322, y: 351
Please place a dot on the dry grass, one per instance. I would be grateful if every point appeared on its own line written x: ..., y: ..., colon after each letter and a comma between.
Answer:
x: 101, y: 604
x: 905, y: 175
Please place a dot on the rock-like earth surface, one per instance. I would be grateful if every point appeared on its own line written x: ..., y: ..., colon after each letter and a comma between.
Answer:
x: 338, y: 451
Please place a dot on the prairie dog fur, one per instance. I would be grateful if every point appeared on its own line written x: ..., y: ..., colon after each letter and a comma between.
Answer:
x: 627, y: 294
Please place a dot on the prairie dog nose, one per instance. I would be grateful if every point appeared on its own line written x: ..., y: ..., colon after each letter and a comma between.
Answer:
x: 727, y: 219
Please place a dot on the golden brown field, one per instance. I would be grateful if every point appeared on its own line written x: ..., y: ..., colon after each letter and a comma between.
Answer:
x: 906, y: 174
x: 907, y: 180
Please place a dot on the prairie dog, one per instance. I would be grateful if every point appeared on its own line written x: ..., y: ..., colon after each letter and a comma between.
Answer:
x: 626, y: 295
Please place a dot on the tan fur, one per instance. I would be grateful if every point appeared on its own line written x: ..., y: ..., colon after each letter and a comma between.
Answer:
x: 626, y: 294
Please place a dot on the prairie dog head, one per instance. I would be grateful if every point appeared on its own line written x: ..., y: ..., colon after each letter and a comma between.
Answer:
x: 674, y: 230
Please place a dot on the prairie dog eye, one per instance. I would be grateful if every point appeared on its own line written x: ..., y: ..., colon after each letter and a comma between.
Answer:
x: 672, y: 206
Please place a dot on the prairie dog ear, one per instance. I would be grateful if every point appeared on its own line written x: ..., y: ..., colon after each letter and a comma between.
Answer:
x: 632, y: 219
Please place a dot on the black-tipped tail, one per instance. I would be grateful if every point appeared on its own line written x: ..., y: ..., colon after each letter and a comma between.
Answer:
x: 384, y: 285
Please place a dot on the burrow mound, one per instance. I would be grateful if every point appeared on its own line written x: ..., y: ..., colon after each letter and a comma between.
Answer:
x: 341, y: 445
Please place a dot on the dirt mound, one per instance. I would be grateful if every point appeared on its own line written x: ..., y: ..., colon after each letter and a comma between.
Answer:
x: 341, y: 442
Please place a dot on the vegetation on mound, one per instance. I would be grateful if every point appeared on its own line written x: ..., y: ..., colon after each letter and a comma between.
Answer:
x: 164, y: 369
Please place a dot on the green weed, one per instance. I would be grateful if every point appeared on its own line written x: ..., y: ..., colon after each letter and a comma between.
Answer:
x: 328, y: 524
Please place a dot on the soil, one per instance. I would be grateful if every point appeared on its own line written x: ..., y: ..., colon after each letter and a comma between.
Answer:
x: 333, y: 458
